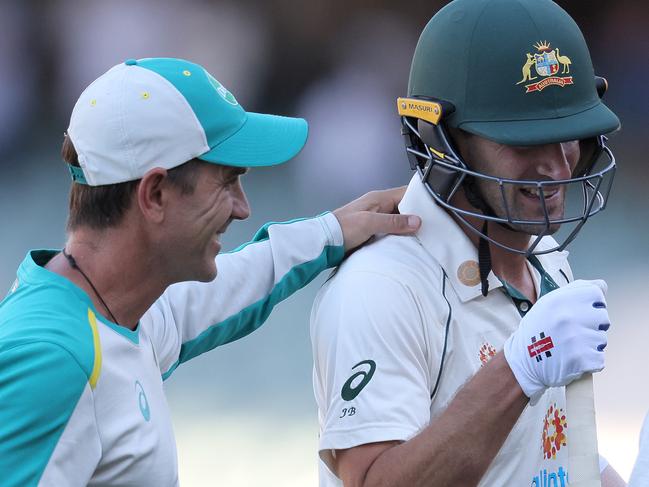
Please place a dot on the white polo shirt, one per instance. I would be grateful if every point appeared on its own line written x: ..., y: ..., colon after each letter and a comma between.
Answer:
x: 403, y: 325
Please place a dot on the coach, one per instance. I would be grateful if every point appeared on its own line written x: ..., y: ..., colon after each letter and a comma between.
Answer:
x: 156, y: 148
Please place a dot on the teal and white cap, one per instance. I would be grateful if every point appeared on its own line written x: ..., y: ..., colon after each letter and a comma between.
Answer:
x: 163, y: 112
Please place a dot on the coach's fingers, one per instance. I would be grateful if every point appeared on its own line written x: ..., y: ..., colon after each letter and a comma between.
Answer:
x: 387, y: 200
x: 382, y: 201
x: 360, y: 226
x: 395, y: 224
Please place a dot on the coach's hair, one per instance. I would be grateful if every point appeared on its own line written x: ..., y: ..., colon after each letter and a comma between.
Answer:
x: 101, y: 207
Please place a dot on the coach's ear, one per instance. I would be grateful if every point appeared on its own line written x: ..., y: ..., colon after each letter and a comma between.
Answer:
x: 153, y: 194
x: 372, y: 214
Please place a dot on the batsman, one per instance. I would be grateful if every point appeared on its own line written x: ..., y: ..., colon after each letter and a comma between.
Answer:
x: 442, y: 359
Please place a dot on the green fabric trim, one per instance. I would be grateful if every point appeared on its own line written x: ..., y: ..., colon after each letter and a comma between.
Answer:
x: 40, y: 385
x: 512, y: 291
x: 77, y: 174
x: 547, y: 283
x: 46, y: 307
x: 32, y: 271
x: 253, y: 316
x: 262, y: 233
x: 447, y: 327
x: 131, y: 335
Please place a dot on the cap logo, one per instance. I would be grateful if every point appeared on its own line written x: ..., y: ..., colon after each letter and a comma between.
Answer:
x: 220, y: 89
x: 547, y: 63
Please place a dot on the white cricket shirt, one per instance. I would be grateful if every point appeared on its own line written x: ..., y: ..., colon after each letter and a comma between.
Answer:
x: 403, y: 325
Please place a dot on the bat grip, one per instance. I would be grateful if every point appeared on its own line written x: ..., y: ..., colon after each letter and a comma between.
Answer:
x: 583, y: 457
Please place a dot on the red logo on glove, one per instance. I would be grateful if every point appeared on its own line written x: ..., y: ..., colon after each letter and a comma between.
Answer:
x: 542, y: 346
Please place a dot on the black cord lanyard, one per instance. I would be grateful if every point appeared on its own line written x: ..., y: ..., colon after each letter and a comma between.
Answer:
x: 74, y: 265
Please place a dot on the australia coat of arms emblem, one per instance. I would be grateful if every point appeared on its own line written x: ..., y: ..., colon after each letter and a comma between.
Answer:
x: 546, y: 62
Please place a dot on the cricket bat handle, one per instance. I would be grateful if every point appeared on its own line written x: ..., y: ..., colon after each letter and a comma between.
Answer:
x: 583, y: 457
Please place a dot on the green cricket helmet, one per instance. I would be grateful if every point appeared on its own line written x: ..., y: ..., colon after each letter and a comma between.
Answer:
x: 517, y: 72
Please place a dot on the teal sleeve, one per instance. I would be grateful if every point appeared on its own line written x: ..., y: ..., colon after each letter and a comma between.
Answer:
x: 40, y: 385
x: 253, y: 316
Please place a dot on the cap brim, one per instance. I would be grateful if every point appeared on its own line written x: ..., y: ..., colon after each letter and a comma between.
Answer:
x: 598, y: 120
x: 263, y: 140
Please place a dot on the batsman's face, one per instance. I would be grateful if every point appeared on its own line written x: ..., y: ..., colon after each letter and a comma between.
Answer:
x: 200, y: 218
x: 549, y: 162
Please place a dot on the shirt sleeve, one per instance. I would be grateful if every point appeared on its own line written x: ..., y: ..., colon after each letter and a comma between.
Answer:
x: 191, y: 318
x: 640, y: 473
x: 372, y: 363
x: 48, y: 433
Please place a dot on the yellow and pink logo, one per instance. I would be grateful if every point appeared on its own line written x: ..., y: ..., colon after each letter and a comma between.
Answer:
x: 554, y: 432
x: 546, y: 63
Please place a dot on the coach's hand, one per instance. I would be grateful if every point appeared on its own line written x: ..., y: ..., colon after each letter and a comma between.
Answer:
x: 372, y: 214
x: 562, y: 337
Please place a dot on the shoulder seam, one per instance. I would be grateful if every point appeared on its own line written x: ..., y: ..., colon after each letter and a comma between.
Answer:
x: 446, y: 333
x: 48, y: 342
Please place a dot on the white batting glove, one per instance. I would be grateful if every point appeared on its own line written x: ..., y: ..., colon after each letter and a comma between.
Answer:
x: 562, y: 337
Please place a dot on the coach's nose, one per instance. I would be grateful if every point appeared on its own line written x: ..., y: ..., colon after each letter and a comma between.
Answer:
x: 240, y: 207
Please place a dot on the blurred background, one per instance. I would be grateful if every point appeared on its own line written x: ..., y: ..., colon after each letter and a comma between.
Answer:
x: 244, y: 414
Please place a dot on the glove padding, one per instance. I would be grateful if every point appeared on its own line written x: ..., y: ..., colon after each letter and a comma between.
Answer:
x: 562, y: 337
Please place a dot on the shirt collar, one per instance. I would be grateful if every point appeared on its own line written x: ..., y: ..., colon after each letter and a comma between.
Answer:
x: 443, y: 238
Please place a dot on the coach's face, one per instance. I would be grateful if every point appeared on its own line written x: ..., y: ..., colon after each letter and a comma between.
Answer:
x: 548, y: 162
x: 200, y: 218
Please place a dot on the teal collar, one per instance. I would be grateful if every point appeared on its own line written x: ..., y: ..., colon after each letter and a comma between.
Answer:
x: 547, y: 284
x: 32, y: 271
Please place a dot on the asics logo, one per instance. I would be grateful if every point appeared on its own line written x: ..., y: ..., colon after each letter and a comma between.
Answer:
x: 351, y: 390
x: 142, y: 402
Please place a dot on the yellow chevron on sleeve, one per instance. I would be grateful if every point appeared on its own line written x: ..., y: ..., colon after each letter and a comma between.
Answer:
x: 96, y: 368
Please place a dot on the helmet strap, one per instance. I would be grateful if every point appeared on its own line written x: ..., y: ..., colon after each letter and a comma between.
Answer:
x: 484, y: 259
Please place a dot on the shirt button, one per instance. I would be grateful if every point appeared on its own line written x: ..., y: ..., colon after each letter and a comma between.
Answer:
x: 524, y: 306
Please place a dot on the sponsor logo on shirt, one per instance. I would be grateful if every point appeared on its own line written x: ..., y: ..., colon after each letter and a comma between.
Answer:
x: 142, y: 402
x: 553, y: 439
x: 486, y: 353
x: 352, y: 387
x: 554, y: 432
x: 547, y: 478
